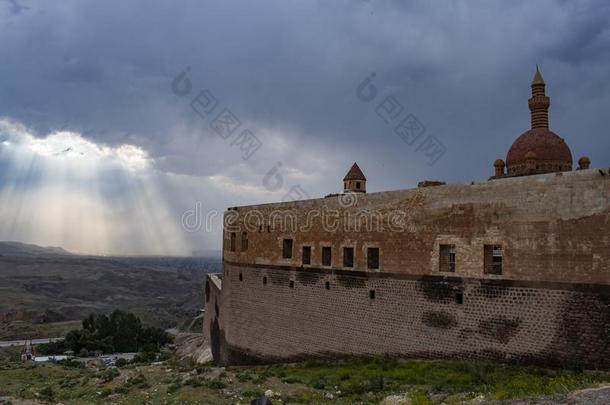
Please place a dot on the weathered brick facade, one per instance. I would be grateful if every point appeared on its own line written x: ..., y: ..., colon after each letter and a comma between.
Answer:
x: 550, y: 304
x: 552, y: 227
x: 410, y: 316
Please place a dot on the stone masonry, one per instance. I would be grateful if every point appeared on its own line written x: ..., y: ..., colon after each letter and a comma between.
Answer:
x: 515, y: 269
x: 550, y: 305
x: 331, y: 314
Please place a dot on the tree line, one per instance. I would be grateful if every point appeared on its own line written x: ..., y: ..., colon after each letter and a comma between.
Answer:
x: 118, y: 332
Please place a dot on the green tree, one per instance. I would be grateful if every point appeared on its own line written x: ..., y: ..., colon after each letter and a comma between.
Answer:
x: 121, y: 331
x: 126, y: 331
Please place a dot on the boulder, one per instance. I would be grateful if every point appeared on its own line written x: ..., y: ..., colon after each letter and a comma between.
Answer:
x: 263, y: 400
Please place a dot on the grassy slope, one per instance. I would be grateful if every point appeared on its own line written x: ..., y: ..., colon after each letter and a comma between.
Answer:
x: 349, y: 381
x: 14, y: 330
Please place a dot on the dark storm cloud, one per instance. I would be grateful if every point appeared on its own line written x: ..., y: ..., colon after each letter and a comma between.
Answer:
x: 289, y: 72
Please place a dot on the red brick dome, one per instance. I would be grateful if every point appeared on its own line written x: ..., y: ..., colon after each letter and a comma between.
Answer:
x: 545, y: 144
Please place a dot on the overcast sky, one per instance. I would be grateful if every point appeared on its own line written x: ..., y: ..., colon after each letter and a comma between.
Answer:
x: 104, y: 150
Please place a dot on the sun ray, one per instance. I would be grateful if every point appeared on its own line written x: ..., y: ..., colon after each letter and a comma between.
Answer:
x: 63, y: 189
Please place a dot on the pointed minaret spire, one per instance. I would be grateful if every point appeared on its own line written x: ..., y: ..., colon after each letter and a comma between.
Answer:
x: 537, y: 77
x: 539, y: 103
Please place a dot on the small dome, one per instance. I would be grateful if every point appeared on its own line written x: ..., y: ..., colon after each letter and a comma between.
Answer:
x: 499, y: 163
x: 545, y: 144
x: 584, y: 163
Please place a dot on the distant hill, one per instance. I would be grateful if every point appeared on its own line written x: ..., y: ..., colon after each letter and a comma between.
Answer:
x: 18, y: 249
x: 39, y: 285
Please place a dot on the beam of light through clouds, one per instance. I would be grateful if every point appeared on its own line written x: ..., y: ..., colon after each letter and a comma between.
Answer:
x: 98, y: 154
x: 62, y: 189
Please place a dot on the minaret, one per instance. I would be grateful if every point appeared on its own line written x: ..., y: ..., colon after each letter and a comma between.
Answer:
x: 539, y: 103
x: 538, y: 150
x: 354, y: 181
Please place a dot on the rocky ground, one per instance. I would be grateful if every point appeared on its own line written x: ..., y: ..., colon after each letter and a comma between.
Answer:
x: 177, y: 378
x: 193, y: 346
x: 590, y: 396
x: 40, y: 295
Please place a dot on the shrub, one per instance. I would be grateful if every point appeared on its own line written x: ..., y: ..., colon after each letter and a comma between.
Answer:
x: 68, y: 382
x: 194, y: 382
x: 139, y: 380
x: 109, y: 374
x: 375, y: 384
x: 202, y: 368
x: 318, y: 384
x: 419, y: 398
x: 216, y: 384
x: 242, y: 377
x: 123, y: 389
x: 144, y: 357
x: 262, y: 377
x: 173, y: 387
x: 149, y: 348
x: 105, y: 392
x: 71, y: 363
x: 253, y: 393
x: 47, y: 393
x: 344, y: 376
x: 57, y: 347
x: 120, y: 362
x: 305, y: 397
x: 164, y: 356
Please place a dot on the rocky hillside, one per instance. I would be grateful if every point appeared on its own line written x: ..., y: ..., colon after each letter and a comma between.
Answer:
x: 18, y: 249
x: 40, y: 287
